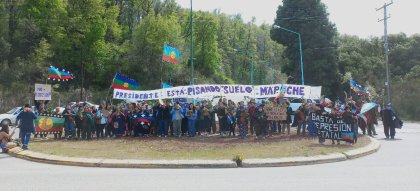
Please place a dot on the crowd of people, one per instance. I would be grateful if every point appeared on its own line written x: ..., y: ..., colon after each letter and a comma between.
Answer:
x: 226, y: 118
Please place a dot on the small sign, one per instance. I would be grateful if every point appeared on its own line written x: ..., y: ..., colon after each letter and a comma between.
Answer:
x: 277, y: 113
x: 42, y: 92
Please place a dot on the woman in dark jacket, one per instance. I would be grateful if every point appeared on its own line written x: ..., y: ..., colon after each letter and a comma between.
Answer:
x: 118, y: 123
x: 27, y: 127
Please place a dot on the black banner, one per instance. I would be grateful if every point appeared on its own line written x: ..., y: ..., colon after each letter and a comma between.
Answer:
x: 332, y: 128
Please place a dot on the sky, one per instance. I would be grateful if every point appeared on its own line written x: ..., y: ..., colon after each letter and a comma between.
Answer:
x: 354, y: 17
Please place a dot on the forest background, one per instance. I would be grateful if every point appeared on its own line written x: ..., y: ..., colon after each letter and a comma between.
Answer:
x: 97, y: 38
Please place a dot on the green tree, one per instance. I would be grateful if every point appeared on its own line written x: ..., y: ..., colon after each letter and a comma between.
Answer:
x: 319, y: 43
x: 206, y: 49
x: 145, y: 53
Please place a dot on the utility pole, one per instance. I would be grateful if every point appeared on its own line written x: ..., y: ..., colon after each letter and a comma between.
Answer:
x: 191, y: 45
x: 385, y: 19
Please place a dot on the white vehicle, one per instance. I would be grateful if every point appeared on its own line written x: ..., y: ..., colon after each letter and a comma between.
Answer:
x: 81, y: 103
x: 10, y: 116
x: 296, y: 103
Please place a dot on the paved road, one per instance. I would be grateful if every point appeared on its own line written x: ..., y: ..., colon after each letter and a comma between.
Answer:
x: 395, y: 167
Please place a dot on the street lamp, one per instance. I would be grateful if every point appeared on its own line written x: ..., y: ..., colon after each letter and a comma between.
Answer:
x: 251, y: 71
x: 191, y: 45
x: 300, y: 49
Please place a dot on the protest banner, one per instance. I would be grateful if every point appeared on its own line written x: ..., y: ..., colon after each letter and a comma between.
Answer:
x: 211, y: 90
x: 277, y: 113
x: 49, y: 124
x: 136, y: 95
x: 42, y: 92
x: 332, y: 128
x: 237, y: 90
x: 282, y: 90
x: 177, y: 92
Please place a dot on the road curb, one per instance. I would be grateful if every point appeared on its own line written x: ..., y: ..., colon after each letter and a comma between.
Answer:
x: 247, y: 163
x: 373, y: 147
x: 293, y: 161
x: 118, y: 163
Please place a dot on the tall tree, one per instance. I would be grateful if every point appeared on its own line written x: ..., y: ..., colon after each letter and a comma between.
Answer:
x: 145, y: 55
x: 310, y: 19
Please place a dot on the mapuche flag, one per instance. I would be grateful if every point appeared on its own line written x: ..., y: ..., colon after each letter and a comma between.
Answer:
x: 59, y: 75
x: 122, y: 82
x: 170, y: 54
x: 356, y: 87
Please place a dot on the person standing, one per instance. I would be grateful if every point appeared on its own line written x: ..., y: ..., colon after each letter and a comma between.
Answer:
x: 200, y: 119
x: 300, y: 118
x: 222, y: 116
x: 286, y: 124
x: 242, y: 117
x: 101, y: 119
x: 350, y: 118
x: 26, y: 119
x: 177, y: 116
x: 252, y: 119
x: 261, y: 122
x: 118, y: 122
x: 206, y: 118
x: 69, y: 130
x: 371, y: 121
x: 163, y: 117
x: 388, y: 117
x: 192, y: 116
x: 86, y: 123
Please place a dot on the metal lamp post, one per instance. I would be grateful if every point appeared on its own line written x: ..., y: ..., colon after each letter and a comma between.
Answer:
x: 191, y: 45
x: 300, y: 49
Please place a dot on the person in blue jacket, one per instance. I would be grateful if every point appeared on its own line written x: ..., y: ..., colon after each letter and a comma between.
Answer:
x: 177, y: 115
x: 192, y: 116
x: 26, y: 122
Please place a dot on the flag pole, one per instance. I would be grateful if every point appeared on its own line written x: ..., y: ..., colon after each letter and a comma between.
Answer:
x: 161, y: 74
x: 110, y: 87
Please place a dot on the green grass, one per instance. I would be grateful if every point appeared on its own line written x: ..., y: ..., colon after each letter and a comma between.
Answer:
x: 192, y: 148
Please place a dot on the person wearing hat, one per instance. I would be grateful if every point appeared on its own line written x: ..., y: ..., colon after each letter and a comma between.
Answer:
x: 389, y: 120
x: 26, y: 118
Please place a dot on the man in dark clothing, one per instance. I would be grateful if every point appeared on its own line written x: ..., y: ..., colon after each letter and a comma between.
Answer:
x: 163, y: 116
x: 261, y: 122
x: 388, y: 117
x: 251, y: 111
x: 222, y: 115
x: 69, y: 130
x: 350, y: 118
x: 27, y: 127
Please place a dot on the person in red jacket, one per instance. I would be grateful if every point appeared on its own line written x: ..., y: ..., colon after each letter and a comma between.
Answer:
x: 251, y: 111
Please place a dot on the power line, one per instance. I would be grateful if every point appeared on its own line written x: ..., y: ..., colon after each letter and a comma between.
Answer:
x: 385, y: 20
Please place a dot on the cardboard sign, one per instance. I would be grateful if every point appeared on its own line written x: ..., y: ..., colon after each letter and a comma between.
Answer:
x: 277, y: 113
x: 42, y: 92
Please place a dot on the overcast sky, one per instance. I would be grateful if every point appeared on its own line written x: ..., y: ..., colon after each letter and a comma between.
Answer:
x: 355, y: 17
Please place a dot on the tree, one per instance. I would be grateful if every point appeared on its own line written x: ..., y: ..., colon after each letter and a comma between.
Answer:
x: 206, y: 49
x: 145, y: 54
x: 319, y: 43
